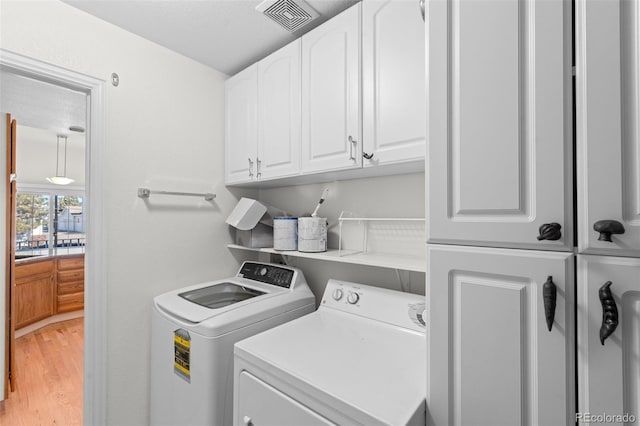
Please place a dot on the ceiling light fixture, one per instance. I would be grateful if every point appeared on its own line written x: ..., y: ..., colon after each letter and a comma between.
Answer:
x: 61, y: 179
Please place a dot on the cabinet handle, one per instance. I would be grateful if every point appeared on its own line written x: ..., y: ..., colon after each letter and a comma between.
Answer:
x: 609, y: 312
x: 421, y: 3
x: 549, y: 294
x: 367, y: 156
x: 250, y: 168
x: 352, y: 143
x: 258, y: 168
x: 247, y: 421
x: 549, y: 231
x: 606, y: 228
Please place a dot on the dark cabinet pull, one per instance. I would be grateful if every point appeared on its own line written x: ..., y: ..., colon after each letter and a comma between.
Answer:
x: 549, y: 231
x: 609, y: 312
x: 606, y: 228
x: 367, y: 156
x: 549, y: 294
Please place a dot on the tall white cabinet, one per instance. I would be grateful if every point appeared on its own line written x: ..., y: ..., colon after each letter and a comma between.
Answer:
x: 609, y: 364
x: 500, y: 179
x: 499, y: 174
x: 492, y: 359
x: 607, y: 125
x: 608, y: 182
x: 500, y: 124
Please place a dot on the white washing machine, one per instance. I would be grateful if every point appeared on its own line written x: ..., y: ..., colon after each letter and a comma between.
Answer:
x: 358, y: 360
x: 193, y: 331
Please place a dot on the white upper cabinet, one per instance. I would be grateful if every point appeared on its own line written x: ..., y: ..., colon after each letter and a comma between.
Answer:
x: 607, y: 130
x: 350, y: 93
x: 499, y: 123
x: 241, y: 126
x: 609, y: 337
x: 393, y: 82
x: 279, y: 113
x: 263, y: 118
x: 492, y: 358
x: 331, y: 124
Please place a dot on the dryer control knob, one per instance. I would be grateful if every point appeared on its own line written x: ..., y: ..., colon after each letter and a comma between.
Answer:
x: 337, y: 294
x: 263, y: 271
x: 353, y: 298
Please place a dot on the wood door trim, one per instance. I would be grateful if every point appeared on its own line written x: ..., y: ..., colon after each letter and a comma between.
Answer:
x: 9, y: 359
x: 7, y: 280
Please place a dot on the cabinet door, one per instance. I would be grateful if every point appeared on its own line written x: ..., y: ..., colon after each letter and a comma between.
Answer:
x: 499, y: 122
x: 70, y: 283
x: 279, y: 113
x: 491, y: 358
x: 393, y: 81
x: 241, y: 126
x: 34, y: 292
x: 607, y: 127
x: 331, y: 123
x: 610, y: 372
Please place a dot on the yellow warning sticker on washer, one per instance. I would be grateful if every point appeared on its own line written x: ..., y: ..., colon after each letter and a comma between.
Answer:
x: 182, y: 354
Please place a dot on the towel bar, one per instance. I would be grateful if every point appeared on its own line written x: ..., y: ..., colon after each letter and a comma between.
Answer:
x: 146, y: 192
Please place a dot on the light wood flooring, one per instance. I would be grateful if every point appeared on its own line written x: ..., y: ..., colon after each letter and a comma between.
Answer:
x: 49, y: 377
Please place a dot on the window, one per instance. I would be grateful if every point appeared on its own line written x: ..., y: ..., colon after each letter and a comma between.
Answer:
x: 49, y: 224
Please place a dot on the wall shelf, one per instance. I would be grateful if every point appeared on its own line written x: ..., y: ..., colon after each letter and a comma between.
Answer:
x: 381, y: 260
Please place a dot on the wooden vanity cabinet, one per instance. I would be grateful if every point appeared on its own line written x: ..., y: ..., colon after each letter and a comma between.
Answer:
x: 48, y: 286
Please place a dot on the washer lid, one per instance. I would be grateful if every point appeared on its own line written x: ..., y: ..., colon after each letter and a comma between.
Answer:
x: 201, y: 302
x: 218, y: 296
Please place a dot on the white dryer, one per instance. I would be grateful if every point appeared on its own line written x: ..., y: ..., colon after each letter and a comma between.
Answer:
x: 357, y: 360
x: 193, y: 331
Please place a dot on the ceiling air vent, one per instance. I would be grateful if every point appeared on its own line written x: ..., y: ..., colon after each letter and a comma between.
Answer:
x: 290, y: 14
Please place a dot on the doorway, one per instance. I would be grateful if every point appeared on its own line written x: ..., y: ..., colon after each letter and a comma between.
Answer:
x: 94, y: 359
x: 46, y: 241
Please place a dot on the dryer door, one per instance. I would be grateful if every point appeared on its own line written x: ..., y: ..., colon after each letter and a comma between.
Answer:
x: 261, y: 404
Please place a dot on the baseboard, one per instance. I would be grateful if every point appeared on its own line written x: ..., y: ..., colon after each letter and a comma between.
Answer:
x: 51, y: 320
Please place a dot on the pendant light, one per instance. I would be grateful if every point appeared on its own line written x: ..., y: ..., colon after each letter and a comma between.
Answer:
x: 61, y: 179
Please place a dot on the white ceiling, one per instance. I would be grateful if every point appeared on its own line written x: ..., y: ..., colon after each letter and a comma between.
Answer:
x: 41, y: 105
x: 227, y: 35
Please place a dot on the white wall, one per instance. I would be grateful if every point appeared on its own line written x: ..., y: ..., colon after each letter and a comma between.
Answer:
x: 387, y: 196
x: 164, y: 128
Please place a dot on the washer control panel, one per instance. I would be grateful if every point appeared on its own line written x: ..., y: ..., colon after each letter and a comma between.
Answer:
x: 267, y: 273
x: 393, y: 307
